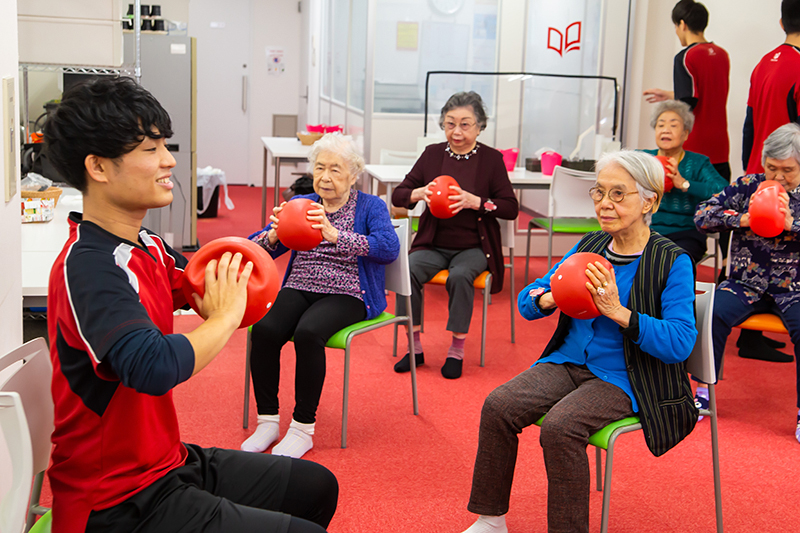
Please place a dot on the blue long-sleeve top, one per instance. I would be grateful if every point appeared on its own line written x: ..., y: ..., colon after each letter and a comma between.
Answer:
x: 371, y: 220
x: 598, y: 343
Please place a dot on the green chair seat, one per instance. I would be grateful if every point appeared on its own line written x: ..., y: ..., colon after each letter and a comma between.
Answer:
x: 44, y: 523
x: 339, y: 339
x: 569, y: 225
x: 600, y: 439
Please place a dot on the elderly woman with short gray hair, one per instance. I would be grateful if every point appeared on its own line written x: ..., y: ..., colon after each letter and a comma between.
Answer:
x: 469, y: 242
x: 593, y: 372
x: 764, y: 272
x: 694, y: 178
x: 336, y: 284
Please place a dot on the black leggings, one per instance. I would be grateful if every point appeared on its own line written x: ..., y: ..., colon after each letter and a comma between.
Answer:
x: 218, y: 491
x: 312, y: 319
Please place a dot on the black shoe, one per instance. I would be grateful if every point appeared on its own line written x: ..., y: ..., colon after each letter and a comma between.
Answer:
x: 765, y: 353
x: 755, y: 339
x: 452, y: 368
x: 404, y: 364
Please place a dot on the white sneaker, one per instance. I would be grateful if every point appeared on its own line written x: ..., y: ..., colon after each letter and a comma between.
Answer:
x: 488, y: 524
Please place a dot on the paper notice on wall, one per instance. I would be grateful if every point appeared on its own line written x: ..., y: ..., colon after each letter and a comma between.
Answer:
x: 275, y: 63
x: 407, y: 35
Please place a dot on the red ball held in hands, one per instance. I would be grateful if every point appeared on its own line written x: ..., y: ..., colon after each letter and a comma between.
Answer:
x: 262, y: 287
x: 568, y: 285
x: 766, y: 219
x: 294, y: 228
x: 664, y: 160
x: 440, y: 189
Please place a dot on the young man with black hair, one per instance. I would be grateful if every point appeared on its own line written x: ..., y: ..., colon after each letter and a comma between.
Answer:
x: 118, y: 462
x: 774, y: 90
x: 701, y: 79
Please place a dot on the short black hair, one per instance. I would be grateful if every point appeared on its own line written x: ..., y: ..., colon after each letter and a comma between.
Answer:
x: 106, y: 117
x: 790, y: 16
x: 694, y: 14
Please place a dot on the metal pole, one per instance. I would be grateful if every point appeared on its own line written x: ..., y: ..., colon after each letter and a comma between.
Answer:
x: 25, y: 112
x: 137, y: 40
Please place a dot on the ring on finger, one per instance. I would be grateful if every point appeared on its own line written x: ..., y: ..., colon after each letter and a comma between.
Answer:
x: 605, y: 284
x: 601, y: 291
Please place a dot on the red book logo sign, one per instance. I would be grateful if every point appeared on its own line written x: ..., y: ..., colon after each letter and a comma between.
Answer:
x: 567, y: 42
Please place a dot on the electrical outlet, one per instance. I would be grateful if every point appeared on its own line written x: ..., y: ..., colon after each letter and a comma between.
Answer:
x: 10, y: 145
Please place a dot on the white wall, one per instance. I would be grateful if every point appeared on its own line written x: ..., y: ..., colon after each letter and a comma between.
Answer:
x: 10, y: 225
x: 746, y: 29
x: 275, y: 23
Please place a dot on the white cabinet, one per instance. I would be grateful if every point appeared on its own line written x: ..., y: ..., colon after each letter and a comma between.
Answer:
x: 78, y: 32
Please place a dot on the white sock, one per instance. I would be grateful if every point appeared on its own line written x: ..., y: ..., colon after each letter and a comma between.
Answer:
x: 297, y: 440
x: 488, y: 524
x: 266, y: 433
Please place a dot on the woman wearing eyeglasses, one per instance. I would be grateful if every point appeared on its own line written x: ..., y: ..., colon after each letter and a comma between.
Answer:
x: 593, y: 372
x: 694, y: 178
x: 469, y: 242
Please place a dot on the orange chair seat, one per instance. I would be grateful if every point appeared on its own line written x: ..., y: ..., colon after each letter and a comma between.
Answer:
x: 441, y: 279
x: 764, y: 322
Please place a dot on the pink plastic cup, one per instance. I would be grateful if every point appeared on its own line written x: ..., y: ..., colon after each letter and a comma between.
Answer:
x: 550, y: 160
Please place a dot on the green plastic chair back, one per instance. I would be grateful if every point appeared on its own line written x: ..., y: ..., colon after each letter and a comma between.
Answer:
x: 569, y: 225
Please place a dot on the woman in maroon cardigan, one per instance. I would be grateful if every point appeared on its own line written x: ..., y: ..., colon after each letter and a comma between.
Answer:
x: 469, y: 242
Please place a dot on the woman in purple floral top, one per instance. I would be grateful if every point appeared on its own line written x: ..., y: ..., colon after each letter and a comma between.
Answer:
x: 764, y: 272
x: 336, y: 284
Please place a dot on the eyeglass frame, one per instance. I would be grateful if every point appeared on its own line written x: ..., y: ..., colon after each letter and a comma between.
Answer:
x: 608, y: 193
x: 459, y: 125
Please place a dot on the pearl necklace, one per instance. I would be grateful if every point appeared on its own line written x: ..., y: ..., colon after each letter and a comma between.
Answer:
x: 458, y: 157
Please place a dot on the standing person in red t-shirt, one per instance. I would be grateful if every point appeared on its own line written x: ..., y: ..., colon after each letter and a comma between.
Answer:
x: 774, y: 90
x: 700, y: 78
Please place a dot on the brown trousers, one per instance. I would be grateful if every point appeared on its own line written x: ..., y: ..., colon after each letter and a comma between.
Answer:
x: 577, y: 404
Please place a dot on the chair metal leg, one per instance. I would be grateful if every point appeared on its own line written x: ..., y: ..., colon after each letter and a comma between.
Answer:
x: 412, y: 358
x: 715, y: 456
x: 421, y: 309
x: 599, y: 469
x: 245, y: 415
x: 550, y: 245
x: 35, y: 509
x: 486, y: 291
x: 513, y: 295
x: 528, y: 251
x: 394, y: 342
x: 345, y: 391
x: 607, y: 484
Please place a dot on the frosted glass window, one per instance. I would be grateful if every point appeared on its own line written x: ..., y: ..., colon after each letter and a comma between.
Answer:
x: 358, y: 54
x: 326, y: 53
x: 341, y: 19
x: 413, y: 37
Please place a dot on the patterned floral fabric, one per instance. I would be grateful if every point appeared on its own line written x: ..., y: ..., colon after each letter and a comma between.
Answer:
x: 759, y: 265
x: 332, y: 268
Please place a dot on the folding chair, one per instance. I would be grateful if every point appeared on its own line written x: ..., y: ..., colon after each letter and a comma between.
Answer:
x: 398, y: 280
x: 483, y: 282
x: 701, y: 365
x: 28, y: 372
x: 570, y: 210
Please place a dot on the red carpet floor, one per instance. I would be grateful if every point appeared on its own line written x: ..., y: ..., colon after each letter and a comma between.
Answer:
x: 402, y: 472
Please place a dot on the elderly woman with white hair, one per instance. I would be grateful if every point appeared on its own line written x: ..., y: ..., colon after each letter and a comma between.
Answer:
x: 336, y: 284
x: 628, y: 360
x: 764, y: 272
x: 694, y: 178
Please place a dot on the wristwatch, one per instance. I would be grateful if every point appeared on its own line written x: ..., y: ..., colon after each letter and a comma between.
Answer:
x: 685, y: 185
x: 489, y: 205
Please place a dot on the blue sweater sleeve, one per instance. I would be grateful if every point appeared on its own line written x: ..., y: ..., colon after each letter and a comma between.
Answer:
x: 384, y: 246
x: 527, y: 299
x: 152, y: 363
x: 672, y: 337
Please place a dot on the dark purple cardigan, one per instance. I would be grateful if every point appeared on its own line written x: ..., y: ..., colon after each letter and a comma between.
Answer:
x: 493, y: 183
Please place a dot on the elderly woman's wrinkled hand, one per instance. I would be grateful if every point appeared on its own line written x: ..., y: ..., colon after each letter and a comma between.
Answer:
x: 317, y: 215
x: 422, y: 194
x: 272, y: 235
x: 603, y: 286
x: 461, y: 199
x: 786, y: 210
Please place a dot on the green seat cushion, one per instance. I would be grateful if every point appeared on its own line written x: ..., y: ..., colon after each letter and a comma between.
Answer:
x: 339, y: 339
x: 600, y: 439
x: 415, y: 224
x: 569, y: 225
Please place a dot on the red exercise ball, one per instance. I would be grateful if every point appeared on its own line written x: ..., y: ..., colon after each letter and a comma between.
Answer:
x: 664, y: 160
x: 568, y: 284
x: 294, y: 228
x: 766, y: 219
x: 440, y: 204
x: 262, y: 288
